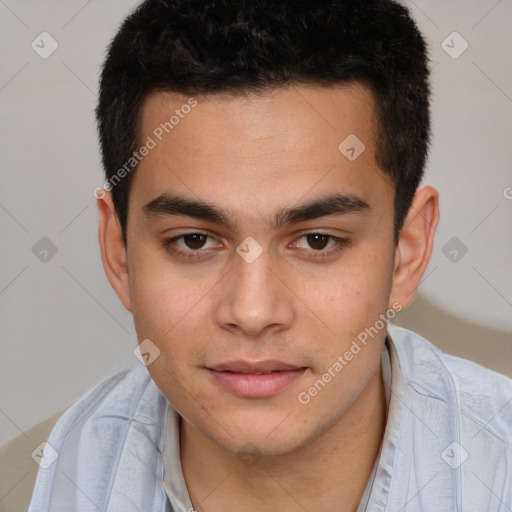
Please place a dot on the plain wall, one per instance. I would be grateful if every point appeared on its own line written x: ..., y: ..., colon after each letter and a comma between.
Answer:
x: 63, y: 328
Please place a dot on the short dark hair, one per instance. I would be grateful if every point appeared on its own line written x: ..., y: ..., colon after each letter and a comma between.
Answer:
x: 239, y: 46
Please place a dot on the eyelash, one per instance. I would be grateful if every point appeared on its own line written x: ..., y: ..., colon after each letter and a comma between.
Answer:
x: 341, y: 243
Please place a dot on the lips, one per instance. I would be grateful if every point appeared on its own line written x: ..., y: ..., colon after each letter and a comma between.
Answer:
x: 254, y: 367
x: 255, y: 379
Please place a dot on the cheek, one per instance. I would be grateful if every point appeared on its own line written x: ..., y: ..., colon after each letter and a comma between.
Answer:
x: 168, y: 312
x: 160, y: 294
x: 173, y: 309
x: 350, y: 349
x: 361, y: 284
x: 171, y: 320
x: 354, y: 296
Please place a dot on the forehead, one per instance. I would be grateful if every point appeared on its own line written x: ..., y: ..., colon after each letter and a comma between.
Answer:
x: 260, y: 119
x: 249, y: 151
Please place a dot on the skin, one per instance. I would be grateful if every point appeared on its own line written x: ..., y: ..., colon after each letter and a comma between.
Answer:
x: 252, y: 156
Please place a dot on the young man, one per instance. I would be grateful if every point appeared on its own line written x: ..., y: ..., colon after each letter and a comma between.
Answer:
x: 262, y: 221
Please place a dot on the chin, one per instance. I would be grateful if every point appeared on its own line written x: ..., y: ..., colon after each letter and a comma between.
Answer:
x: 260, y: 434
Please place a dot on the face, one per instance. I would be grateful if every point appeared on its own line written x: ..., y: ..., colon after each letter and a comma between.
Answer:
x: 257, y: 243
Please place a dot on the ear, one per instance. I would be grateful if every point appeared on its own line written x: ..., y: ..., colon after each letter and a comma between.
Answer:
x: 113, y: 250
x: 415, y: 244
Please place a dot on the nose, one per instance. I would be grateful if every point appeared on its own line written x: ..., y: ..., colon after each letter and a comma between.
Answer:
x: 255, y: 298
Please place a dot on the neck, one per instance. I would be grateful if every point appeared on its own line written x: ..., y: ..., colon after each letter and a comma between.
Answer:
x: 329, y: 474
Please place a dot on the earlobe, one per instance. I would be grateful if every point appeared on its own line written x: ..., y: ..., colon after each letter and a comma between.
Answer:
x: 113, y: 249
x: 415, y: 245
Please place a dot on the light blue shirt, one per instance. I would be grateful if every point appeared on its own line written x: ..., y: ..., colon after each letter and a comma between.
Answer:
x: 447, y: 445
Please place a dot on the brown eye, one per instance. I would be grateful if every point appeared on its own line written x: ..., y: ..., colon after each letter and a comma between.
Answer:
x: 195, y: 240
x: 322, y: 245
x: 317, y: 241
x: 188, y: 245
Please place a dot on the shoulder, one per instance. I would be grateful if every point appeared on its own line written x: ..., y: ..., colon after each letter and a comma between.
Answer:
x: 116, y: 395
x: 93, y: 441
x: 481, y: 396
x: 18, y: 455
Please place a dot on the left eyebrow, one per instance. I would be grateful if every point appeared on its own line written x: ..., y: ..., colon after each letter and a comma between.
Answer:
x: 337, y: 204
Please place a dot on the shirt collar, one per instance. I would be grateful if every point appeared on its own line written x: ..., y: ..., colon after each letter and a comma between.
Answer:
x: 174, y: 481
x: 375, y: 496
